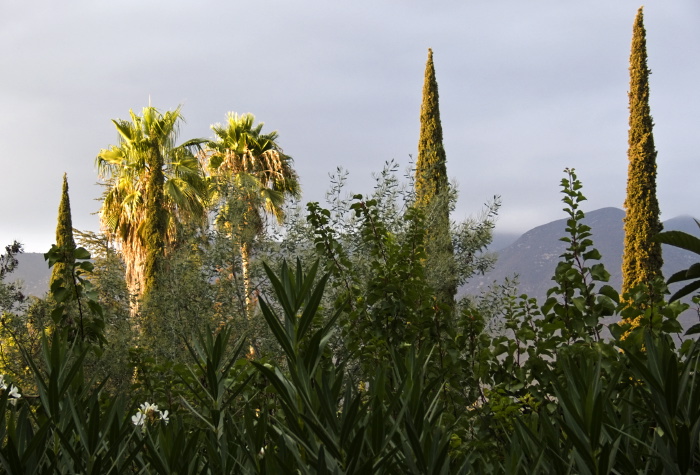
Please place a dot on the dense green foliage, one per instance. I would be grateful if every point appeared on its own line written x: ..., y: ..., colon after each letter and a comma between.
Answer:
x: 152, y: 187
x: 64, y: 236
x: 10, y: 293
x: 360, y: 376
x: 251, y: 177
x: 432, y: 193
x: 357, y: 358
x: 690, y: 243
x: 641, y: 259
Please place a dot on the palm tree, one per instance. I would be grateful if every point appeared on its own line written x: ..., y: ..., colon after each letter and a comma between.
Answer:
x: 152, y: 187
x: 251, y: 178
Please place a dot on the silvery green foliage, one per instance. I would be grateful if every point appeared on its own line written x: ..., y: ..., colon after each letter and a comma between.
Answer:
x: 394, y: 194
x: 11, y: 296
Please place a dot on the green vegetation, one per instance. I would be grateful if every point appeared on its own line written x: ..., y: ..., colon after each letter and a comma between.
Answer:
x: 153, y: 187
x: 641, y: 260
x: 357, y: 359
x: 64, y: 237
x: 433, y: 193
x: 534, y: 389
x: 251, y: 175
x: 690, y: 243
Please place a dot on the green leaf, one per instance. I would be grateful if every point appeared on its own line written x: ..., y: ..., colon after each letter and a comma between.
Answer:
x: 593, y: 254
x: 610, y: 292
x: 281, y: 335
x: 311, y: 308
x: 685, y: 291
x: 599, y: 273
x: 671, y: 326
x: 81, y: 253
x: 679, y: 239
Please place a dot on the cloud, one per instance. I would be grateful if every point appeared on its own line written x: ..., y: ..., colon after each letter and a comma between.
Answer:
x: 526, y: 89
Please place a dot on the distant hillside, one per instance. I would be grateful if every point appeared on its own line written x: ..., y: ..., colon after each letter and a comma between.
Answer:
x: 534, y: 256
x: 34, y: 273
x: 502, y: 240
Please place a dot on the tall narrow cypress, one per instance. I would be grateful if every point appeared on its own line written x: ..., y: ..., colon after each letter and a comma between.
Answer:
x: 432, y: 193
x: 63, y: 271
x: 641, y: 258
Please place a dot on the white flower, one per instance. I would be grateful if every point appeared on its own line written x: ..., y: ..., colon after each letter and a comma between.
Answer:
x: 138, y: 419
x: 14, y: 394
x: 149, y: 413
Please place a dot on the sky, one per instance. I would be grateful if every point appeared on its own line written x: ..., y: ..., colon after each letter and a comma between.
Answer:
x: 527, y: 89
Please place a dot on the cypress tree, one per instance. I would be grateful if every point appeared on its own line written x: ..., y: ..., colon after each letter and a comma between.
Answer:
x: 432, y: 193
x: 641, y: 259
x: 63, y: 271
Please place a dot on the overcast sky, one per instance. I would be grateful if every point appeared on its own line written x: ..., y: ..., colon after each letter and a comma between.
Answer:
x: 526, y: 89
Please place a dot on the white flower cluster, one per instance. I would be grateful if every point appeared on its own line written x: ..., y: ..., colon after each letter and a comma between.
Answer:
x: 149, y: 413
x: 14, y: 395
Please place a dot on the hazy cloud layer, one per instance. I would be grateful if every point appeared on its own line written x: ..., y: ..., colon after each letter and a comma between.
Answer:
x: 526, y: 89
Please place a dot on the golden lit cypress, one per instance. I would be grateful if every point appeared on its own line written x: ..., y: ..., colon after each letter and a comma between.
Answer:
x: 432, y: 192
x: 641, y: 259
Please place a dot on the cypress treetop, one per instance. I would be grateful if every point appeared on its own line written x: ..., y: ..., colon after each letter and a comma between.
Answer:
x: 433, y: 194
x: 64, y: 239
x: 431, y: 168
x: 641, y: 259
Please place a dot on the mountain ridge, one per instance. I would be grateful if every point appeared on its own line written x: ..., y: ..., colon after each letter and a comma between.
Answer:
x: 534, y: 255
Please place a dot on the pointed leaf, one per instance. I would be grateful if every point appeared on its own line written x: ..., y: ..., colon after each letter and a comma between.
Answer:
x: 685, y: 291
x: 679, y: 239
x: 281, y: 335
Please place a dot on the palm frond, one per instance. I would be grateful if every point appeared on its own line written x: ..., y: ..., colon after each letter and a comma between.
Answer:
x: 123, y: 167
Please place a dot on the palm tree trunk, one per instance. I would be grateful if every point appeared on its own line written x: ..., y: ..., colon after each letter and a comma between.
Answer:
x: 134, y: 257
x: 155, y: 223
x: 245, y: 267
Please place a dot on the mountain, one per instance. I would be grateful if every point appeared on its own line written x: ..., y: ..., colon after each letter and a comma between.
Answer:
x: 502, y: 240
x: 534, y: 256
x: 34, y: 273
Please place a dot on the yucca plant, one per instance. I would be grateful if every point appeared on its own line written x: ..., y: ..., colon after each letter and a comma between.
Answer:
x: 67, y: 427
x: 216, y: 382
x: 672, y: 397
x: 328, y: 423
x: 582, y: 434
